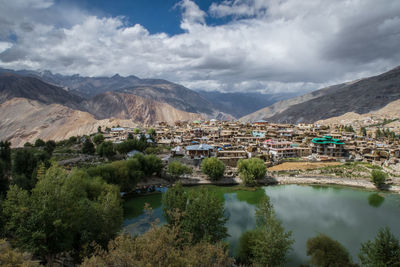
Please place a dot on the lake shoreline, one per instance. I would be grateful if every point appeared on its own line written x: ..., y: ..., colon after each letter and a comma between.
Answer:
x: 276, y: 180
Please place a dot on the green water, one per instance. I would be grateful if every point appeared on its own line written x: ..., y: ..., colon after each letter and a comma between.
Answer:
x: 350, y: 216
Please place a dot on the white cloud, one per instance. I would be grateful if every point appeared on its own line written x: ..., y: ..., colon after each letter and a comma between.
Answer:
x: 270, y: 45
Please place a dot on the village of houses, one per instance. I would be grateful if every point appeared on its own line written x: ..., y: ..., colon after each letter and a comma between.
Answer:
x: 306, y: 146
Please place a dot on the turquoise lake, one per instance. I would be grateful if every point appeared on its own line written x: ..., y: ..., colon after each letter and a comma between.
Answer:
x: 348, y: 215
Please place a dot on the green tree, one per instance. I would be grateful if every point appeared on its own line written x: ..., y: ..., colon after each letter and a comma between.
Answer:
x: 5, y: 154
x: 99, y: 129
x: 174, y: 201
x: 152, y: 165
x: 49, y: 147
x: 384, y: 250
x: 251, y: 170
x: 326, y: 252
x: 64, y: 213
x: 72, y: 140
x: 130, y: 136
x: 24, y: 163
x: 203, y: 213
x: 136, y: 131
x: 125, y: 173
x: 98, y: 139
x: 378, y: 177
x: 268, y: 244
x: 363, y: 131
x: 88, y: 147
x: 106, y: 149
x: 213, y: 168
x: 3, y: 179
x: 205, y: 216
x: 151, y: 132
x: 177, y: 169
x: 39, y: 143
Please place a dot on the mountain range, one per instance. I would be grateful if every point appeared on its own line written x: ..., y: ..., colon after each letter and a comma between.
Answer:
x: 53, y: 106
x: 360, y: 96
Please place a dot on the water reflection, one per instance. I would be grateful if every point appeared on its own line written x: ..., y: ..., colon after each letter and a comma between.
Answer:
x: 375, y: 200
x: 341, y: 213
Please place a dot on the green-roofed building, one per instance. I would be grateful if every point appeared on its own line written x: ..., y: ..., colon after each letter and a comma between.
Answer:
x: 328, y: 146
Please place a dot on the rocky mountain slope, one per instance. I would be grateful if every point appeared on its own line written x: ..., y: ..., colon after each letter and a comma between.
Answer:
x: 160, y: 90
x: 390, y: 111
x: 24, y: 120
x: 31, y: 108
x: 12, y: 85
x: 240, y: 104
x: 136, y: 108
x: 361, y: 96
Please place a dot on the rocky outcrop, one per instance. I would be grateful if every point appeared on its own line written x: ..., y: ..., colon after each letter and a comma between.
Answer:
x: 136, y: 108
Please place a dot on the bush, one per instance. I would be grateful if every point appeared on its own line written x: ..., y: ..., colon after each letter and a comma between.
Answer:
x: 177, y: 169
x: 88, y: 147
x: 39, y: 143
x: 98, y: 138
x: 213, y: 168
x: 131, y: 144
x: 105, y: 149
x: 251, y: 170
x: 72, y: 140
x: 378, y: 177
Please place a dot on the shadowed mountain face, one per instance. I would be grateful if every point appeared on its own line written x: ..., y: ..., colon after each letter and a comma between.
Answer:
x: 12, y: 85
x: 240, y: 104
x: 360, y: 96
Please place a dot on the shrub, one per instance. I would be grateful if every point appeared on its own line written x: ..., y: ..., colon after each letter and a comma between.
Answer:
x: 251, y: 170
x: 177, y: 169
x: 88, y: 147
x: 213, y: 168
x: 98, y: 138
x: 106, y: 149
x: 378, y: 177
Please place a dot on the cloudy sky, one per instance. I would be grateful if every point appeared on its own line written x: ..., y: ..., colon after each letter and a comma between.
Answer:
x: 229, y: 45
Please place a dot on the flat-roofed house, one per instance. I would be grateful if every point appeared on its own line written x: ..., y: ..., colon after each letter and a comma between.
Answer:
x: 328, y: 146
x: 199, y: 151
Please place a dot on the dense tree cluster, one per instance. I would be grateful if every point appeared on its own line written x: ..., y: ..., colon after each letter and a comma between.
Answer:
x: 127, y: 173
x: 63, y: 212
